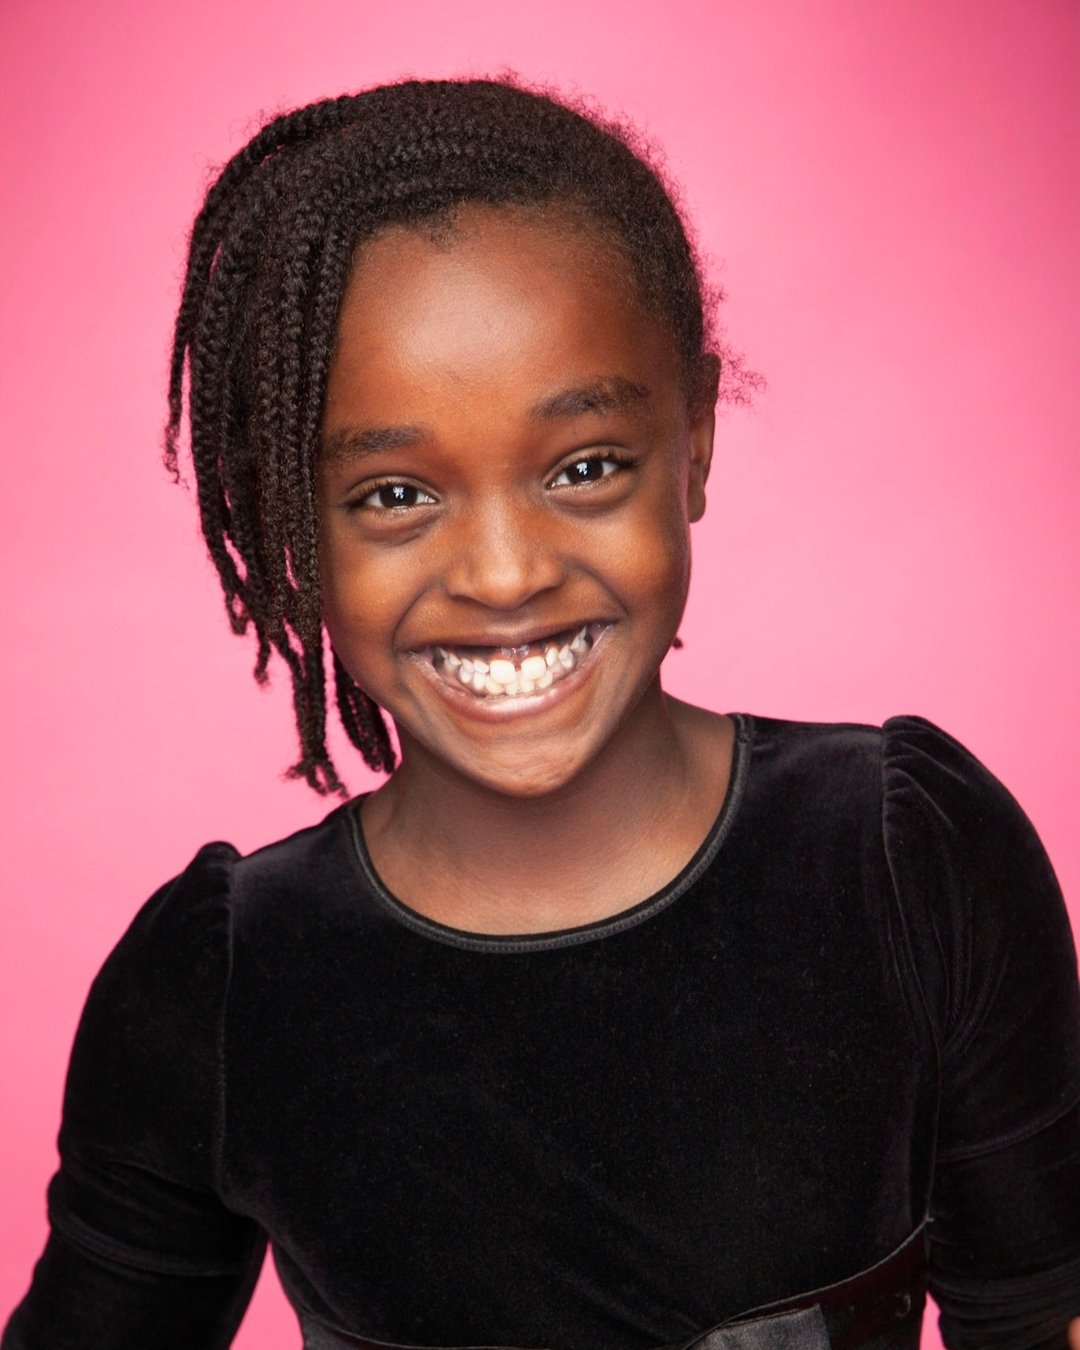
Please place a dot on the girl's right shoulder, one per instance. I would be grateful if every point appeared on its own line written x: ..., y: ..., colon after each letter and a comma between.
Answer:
x: 146, y: 1064
x: 221, y: 883
x: 197, y: 907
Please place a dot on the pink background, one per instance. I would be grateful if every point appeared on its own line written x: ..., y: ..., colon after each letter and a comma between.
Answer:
x: 889, y: 192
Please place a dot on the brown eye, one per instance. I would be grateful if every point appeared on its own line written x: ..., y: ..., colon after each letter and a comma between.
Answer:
x: 589, y: 470
x: 394, y: 497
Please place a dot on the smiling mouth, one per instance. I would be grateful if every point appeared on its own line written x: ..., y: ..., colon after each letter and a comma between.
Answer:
x: 515, y: 672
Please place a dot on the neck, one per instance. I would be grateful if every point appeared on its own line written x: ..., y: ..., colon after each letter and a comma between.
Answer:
x: 476, y: 858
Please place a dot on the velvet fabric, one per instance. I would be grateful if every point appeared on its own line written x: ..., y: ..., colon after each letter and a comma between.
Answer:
x: 855, y: 1009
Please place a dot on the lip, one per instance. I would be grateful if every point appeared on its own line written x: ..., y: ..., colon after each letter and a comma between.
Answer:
x: 510, y: 637
x: 496, y: 710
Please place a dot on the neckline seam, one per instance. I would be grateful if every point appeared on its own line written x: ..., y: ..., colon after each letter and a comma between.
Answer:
x: 614, y: 924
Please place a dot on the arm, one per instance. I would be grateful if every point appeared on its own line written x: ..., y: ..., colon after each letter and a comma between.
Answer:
x: 143, y: 1249
x: 80, y: 1300
x: 992, y: 947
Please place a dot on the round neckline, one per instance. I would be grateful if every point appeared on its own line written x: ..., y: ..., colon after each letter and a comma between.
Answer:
x: 582, y: 933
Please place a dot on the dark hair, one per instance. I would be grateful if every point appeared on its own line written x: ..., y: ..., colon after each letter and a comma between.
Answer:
x: 269, y: 257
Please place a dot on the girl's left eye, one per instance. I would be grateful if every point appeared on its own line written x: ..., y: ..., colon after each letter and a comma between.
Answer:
x: 394, y: 497
x: 590, y: 469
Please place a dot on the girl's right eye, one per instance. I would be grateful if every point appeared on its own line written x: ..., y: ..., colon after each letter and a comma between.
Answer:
x: 394, y: 496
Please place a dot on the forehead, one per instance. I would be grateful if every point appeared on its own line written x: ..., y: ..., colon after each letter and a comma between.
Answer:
x: 500, y: 303
x: 477, y: 238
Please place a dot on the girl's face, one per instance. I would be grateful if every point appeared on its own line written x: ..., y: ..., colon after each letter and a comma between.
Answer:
x: 508, y: 476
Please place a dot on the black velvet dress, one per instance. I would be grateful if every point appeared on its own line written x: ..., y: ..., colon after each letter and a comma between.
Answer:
x: 851, y: 1023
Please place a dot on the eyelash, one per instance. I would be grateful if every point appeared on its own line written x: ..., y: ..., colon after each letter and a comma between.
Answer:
x: 363, y: 502
x: 390, y: 484
x: 620, y: 462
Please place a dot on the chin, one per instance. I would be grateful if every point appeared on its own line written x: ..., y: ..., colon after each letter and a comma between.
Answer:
x: 525, y: 784
x: 522, y: 777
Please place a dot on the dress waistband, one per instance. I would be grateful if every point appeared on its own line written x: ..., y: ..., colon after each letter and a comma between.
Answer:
x: 880, y: 1308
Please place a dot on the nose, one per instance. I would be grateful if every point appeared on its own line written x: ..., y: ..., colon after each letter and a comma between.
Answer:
x: 501, y: 557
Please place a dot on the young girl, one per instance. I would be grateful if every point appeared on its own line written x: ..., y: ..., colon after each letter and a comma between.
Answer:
x: 606, y: 1023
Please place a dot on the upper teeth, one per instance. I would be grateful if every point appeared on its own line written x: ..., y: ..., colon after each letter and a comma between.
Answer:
x: 502, y: 671
x: 525, y: 674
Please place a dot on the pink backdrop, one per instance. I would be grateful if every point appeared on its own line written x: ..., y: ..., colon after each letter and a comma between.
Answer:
x: 888, y: 191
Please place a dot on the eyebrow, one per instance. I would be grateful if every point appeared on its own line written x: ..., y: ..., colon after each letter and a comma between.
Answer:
x: 610, y: 394
x: 357, y: 442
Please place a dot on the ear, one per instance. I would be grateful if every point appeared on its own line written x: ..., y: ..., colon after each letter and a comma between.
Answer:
x: 702, y: 426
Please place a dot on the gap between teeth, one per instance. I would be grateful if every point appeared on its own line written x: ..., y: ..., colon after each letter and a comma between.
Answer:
x: 500, y: 676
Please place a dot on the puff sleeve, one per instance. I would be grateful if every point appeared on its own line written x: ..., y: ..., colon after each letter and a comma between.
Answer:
x: 143, y: 1249
x: 996, y: 968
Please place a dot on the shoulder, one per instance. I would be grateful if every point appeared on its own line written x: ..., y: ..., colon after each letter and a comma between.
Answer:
x: 927, y: 770
x: 952, y: 826
x: 980, y: 923
x: 141, y: 1082
x: 147, y: 1056
x: 967, y: 871
x: 825, y: 774
x: 920, y: 770
x: 808, y: 749
x: 953, y: 834
x: 989, y: 933
x: 190, y: 918
x: 160, y: 998
x: 169, y: 949
x: 298, y: 886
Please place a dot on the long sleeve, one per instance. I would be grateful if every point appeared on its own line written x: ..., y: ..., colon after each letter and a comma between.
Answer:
x: 995, y: 961
x: 143, y: 1250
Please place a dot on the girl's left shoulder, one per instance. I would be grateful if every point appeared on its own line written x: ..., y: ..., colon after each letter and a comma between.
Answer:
x: 909, y: 766
x: 934, y: 786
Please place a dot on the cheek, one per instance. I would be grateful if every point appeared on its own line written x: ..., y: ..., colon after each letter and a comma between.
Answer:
x: 338, y: 584
x: 358, y: 602
x: 647, y: 560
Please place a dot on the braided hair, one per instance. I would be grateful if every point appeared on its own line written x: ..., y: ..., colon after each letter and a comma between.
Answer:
x: 269, y: 256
